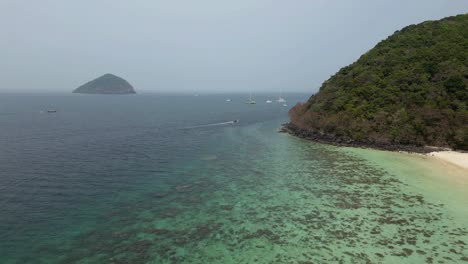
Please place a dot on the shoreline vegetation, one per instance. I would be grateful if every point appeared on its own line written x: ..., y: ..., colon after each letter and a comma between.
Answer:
x: 344, y: 141
x: 445, y: 155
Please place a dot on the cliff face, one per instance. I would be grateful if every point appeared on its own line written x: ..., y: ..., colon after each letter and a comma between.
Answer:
x: 410, y: 89
x: 106, y: 84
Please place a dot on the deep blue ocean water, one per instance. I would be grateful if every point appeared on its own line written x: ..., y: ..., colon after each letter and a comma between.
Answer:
x: 58, y: 169
x: 128, y: 179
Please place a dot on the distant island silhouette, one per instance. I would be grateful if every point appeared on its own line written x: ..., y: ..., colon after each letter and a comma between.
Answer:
x: 106, y: 84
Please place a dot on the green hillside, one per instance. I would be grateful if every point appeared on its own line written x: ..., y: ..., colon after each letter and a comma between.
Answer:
x: 412, y: 88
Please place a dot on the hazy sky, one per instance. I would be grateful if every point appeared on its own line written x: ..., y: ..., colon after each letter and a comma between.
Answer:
x: 203, y: 45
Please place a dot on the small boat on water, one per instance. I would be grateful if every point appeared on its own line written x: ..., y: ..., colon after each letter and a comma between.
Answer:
x: 228, y: 100
x: 51, y: 111
x: 232, y: 122
x: 280, y: 98
x: 250, y: 101
x: 269, y: 101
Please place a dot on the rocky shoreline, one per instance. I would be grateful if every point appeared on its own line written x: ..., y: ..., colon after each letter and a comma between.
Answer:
x: 348, y: 142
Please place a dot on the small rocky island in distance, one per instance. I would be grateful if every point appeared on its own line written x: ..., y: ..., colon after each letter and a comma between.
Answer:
x: 407, y: 93
x: 106, y: 84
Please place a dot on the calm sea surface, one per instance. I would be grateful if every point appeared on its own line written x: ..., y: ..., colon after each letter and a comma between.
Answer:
x: 141, y: 179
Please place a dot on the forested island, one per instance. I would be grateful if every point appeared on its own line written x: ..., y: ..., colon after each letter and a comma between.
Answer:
x: 106, y: 84
x: 408, y: 92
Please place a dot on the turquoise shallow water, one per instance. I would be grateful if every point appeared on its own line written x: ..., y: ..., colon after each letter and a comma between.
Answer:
x: 128, y: 186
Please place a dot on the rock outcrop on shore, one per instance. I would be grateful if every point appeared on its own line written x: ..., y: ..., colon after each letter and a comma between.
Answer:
x: 344, y: 141
x: 106, y: 84
x: 409, y: 90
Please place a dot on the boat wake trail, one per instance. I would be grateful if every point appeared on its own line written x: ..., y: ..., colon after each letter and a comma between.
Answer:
x: 214, y: 124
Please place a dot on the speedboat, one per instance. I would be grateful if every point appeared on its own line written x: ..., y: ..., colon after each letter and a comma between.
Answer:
x: 269, y: 101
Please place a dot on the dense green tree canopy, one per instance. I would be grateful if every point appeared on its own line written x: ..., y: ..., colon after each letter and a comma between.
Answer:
x: 411, y: 88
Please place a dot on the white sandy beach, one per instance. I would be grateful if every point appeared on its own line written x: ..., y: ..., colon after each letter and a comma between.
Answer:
x: 459, y: 159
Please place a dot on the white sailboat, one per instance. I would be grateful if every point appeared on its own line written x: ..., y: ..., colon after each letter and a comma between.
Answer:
x: 280, y: 98
x: 250, y: 101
